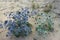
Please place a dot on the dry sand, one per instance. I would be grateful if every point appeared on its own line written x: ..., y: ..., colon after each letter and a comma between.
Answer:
x: 6, y: 7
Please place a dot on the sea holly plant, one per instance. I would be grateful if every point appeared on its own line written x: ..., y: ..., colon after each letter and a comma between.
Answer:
x: 19, y: 26
x: 44, y: 19
x: 45, y: 23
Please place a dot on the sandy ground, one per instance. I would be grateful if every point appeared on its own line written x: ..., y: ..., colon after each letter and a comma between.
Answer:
x: 6, y: 7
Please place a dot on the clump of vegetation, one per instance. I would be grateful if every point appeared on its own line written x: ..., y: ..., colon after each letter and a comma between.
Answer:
x: 44, y: 28
x: 45, y: 23
x: 19, y: 26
